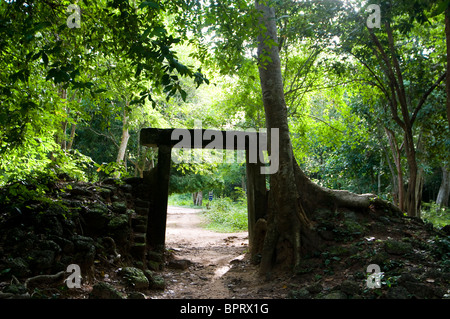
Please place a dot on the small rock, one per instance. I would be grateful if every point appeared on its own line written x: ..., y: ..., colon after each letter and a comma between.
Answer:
x: 303, y: 293
x: 79, y: 191
x: 15, y: 289
x: 158, y: 283
x: 155, y: 281
x: 126, y: 187
x: 119, y: 207
x: 50, y: 245
x: 398, y: 292
x: 349, y: 215
x: 121, y: 221
x: 422, y: 290
x: 315, y: 288
x: 395, y: 247
x: 155, y: 256
x: 335, y: 295
x: 134, y: 277
x: 406, y: 277
x: 42, y: 259
x: 179, y: 264
x: 379, y: 258
x: 96, y: 216
x: 105, y: 193
x: 385, y: 220
x: 142, y: 211
x: 66, y: 245
x: 85, y: 250
x: 154, y: 265
x: 141, y: 203
x: 103, y: 290
x: 19, y: 267
x: 136, y: 295
x: 350, y: 287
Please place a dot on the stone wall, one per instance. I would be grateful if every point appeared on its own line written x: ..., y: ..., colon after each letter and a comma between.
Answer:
x: 83, y: 224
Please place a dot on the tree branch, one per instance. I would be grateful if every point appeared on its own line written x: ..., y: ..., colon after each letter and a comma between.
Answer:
x: 393, y: 84
x: 318, y: 119
x: 400, y: 83
x: 110, y: 136
x: 323, y: 87
x: 425, y: 96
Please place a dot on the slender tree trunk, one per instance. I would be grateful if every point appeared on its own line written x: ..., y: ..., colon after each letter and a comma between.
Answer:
x: 123, y: 140
x: 380, y: 172
x: 123, y: 145
x: 397, y: 160
x: 394, y: 191
x: 419, y: 190
x: 197, y: 198
x: 411, y: 199
x: 72, y: 136
x: 63, y: 141
x: 447, y: 84
x: 61, y: 136
x: 444, y: 190
x: 419, y: 180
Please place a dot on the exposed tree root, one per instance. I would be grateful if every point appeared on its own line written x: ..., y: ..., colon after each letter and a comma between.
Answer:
x: 285, y: 243
x: 313, y: 197
x: 44, y: 279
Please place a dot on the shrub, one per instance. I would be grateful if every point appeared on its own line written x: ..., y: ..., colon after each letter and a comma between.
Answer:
x: 226, y: 215
x: 438, y: 216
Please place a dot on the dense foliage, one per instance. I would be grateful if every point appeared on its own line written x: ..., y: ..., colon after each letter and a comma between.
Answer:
x: 366, y: 107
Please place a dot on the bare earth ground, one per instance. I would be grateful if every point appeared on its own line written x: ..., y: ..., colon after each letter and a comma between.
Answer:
x: 219, y: 266
x: 414, y: 258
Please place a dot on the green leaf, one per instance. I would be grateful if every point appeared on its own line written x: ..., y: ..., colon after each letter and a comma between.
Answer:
x: 183, y: 95
x: 165, y: 80
x: 45, y: 59
x: 138, y: 70
x: 5, y: 271
x: 442, y: 6
x: 149, y: 4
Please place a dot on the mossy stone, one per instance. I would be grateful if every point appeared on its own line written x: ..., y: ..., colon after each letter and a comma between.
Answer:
x: 134, y: 277
x: 396, y: 247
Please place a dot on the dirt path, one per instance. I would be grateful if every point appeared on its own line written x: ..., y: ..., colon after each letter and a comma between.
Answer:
x: 218, y: 265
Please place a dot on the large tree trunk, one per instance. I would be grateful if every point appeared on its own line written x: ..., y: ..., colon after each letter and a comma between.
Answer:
x: 286, y: 217
x: 293, y: 198
x: 447, y: 84
x: 444, y: 189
